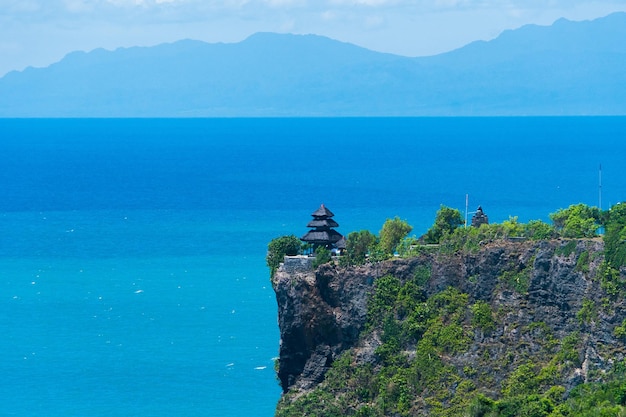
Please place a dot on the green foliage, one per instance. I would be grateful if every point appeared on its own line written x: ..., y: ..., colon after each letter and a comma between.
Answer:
x: 408, y: 247
x: 322, y: 256
x: 567, y: 249
x: 513, y: 228
x: 435, y: 326
x: 393, y: 231
x: 531, y: 388
x: 377, y: 254
x: 386, y: 290
x: 414, y: 374
x: 620, y: 331
x: 280, y: 247
x: 582, y: 263
x: 568, y: 354
x: 615, y: 236
x: 587, y: 313
x: 447, y: 338
x: 538, y: 230
x: 316, y: 403
x: 611, y: 280
x: 481, y: 406
x: 522, y: 381
x: 577, y: 221
x: 516, y: 280
x: 597, y: 399
x: 482, y: 316
x: 446, y: 221
x: 358, y: 245
x: 422, y: 274
x: 470, y: 239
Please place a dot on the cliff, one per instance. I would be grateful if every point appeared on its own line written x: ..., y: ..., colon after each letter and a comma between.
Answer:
x: 425, y: 335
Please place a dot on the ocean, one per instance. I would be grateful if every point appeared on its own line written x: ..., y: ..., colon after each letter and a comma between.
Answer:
x: 132, y: 271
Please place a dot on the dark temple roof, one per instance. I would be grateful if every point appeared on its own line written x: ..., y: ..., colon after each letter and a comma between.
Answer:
x: 323, y: 232
x: 322, y: 236
x: 322, y: 223
x: 322, y: 212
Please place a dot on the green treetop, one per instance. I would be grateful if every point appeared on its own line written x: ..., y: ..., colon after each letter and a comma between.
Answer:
x: 393, y: 231
x: 446, y: 221
x: 577, y: 221
x: 280, y: 247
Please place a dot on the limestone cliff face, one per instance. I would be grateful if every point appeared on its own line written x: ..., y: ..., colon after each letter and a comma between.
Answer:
x: 323, y: 312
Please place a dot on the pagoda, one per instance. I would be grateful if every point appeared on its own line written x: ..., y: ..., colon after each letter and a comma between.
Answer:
x: 322, y: 233
x: 479, y: 218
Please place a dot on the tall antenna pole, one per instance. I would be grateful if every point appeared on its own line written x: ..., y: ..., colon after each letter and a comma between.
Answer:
x: 466, y: 205
x: 600, y: 188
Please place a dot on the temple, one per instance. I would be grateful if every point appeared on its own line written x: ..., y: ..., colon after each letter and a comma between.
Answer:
x: 322, y: 233
x: 479, y: 218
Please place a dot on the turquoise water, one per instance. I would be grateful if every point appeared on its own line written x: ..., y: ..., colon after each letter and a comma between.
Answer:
x: 132, y: 274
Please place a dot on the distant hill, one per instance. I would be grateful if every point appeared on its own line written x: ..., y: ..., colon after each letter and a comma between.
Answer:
x: 568, y: 68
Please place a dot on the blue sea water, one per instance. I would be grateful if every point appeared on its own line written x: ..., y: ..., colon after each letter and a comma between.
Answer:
x: 132, y: 274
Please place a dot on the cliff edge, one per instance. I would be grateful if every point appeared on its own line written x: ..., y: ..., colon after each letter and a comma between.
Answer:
x: 426, y: 334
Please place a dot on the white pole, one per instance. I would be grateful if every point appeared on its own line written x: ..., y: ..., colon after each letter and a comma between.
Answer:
x: 600, y: 188
x: 466, y: 205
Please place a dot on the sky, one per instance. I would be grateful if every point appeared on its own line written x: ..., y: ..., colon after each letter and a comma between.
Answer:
x: 40, y: 32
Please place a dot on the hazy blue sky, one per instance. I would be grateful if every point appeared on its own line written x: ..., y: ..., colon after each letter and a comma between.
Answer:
x: 39, y: 32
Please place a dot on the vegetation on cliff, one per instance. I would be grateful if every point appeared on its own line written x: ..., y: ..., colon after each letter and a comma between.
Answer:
x: 280, y: 247
x: 506, y: 319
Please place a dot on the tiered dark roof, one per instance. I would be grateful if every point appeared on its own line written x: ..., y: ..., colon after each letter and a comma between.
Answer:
x: 323, y: 233
x: 479, y: 218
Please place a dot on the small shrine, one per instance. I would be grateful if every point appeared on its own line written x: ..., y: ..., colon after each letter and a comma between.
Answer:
x: 322, y: 233
x: 479, y: 218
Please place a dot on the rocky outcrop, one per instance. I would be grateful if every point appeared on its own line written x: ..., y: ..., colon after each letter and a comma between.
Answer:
x: 323, y: 312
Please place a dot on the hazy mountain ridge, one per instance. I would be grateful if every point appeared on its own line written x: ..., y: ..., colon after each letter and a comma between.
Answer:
x: 567, y: 68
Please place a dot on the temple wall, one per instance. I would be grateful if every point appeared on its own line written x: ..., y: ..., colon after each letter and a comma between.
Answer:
x: 293, y: 264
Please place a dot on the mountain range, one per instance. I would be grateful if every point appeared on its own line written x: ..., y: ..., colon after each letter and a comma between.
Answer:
x: 567, y: 68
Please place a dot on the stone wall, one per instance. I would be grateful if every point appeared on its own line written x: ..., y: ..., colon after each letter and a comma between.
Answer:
x: 298, y: 264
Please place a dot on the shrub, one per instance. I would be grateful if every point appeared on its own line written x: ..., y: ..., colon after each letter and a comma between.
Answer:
x: 615, y: 236
x: 446, y: 221
x: 393, y: 231
x: 358, y: 245
x: 322, y: 256
x: 516, y: 280
x: 512, y: 228
x: 577, y: 221
x: 482, y: 316
x: 587, y: 312
x: 582, y: 264
x: 538, y: 230
x: 280, y: 247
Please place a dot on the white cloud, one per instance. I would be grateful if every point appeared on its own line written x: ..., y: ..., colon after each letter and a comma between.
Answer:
x: 369, y: 3
x: 25, y: 6
x: 285, y: 3
x: 78, y: 6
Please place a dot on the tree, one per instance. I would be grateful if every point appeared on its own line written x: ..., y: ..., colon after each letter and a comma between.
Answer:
x: 358, y: 244
x: 512, y: 228
x: 577, y: 221
x: 322, y: 256
x: 280, y: 247
x: 615, y: 236
x: 538, y: 230
x: 393, y: 231
x: 446, y: 221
